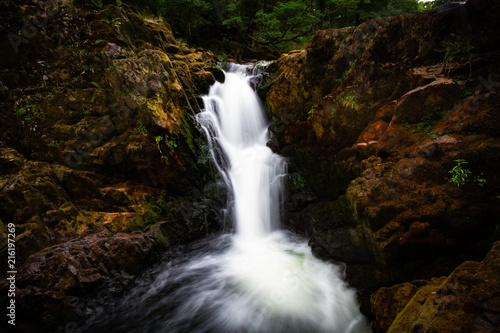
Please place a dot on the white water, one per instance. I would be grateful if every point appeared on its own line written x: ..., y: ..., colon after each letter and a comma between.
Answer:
x: 259, y: 279
x: 278, y: 276
x: 235, y: 125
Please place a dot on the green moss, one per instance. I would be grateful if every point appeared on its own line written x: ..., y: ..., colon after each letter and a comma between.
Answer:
x: 217, y: 73
x: 154, y: 211
x: 187, y: 126
x: 296, y: 182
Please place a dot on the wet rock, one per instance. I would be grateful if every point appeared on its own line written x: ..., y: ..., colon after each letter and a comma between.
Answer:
x: 98, y: 145
x: 374, y: 120
x: 465, y: 301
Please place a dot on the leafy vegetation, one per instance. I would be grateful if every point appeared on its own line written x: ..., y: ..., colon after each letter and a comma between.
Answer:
x: 53, y: 145
x: 27, y: 109
x: 170, y: 142
x: 297, y: 182
x: 461, y: 175
x: 141, y: 129
x: 348, y: 102
x: 279, y: 24
x: 426, y: 123
x: 114, y: 22
x: 456, y: 49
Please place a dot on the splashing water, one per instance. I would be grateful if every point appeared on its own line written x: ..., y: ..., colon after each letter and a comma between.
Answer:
x: 259, y: 279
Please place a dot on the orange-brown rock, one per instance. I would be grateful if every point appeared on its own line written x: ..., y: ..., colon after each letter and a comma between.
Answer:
x: 374, y: 119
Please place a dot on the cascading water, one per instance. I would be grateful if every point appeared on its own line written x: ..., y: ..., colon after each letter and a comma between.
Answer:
x: 259, y: 279
x: 234, y: 122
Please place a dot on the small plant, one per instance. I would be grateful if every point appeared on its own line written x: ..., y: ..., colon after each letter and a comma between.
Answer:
x: 83, y: 53
x: 456, y: 49
x: 112, y: 68
x: 433, y: 135
x: 170, y: 142
x: 480, y: 180
x: 141, y: 129
x: 97, y: 3
x: 158, y: 140
x: 460, y: 175
x: 222, y: 56
x: 99, y: 41
x: 83, y: 67
x: 19, y: 112
x: 297, y: 181
x: 426, y: 123
x: 114, y: 22
x: 182, y: 42
x: 406, y: 124
x: 311, y: 111
x: 27, y: 109
x: 124, y: 93
x: 467, y: 93
x: 86, y: 112
x: 348, y: 101
x: 54, y: 145
x: 344, y: 76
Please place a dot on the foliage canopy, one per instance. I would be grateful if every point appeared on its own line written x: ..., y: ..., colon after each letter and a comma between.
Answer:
x: 280, y: 24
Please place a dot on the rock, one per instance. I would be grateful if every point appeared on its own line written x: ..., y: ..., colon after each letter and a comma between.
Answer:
x: 388, y: 302
x: 99, y: 152
x: 374, y: 120
x: 113, y: 50
x: 465, y: 301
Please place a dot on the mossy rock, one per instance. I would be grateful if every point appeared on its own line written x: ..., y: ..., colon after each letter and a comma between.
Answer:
x: 217, y: 73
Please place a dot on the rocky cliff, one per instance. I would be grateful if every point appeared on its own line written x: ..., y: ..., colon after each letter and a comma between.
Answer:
x: 391, y: 128
x: 101, y: 164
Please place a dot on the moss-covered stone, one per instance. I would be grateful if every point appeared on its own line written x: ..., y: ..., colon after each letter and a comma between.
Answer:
x: 465, y: 301
x: 374, y: 118
x: 83, y: 104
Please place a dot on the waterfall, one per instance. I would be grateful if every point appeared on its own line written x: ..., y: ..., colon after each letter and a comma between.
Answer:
x: 234, y: 122
x: 258, y: 279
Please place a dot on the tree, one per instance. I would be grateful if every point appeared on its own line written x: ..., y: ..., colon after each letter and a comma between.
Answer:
x: 287, y: 21
x: 226, y: 24
x: 187, y: 15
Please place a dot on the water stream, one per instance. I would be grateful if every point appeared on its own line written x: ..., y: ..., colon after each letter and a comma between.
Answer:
x: 257, y: 279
